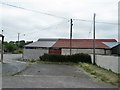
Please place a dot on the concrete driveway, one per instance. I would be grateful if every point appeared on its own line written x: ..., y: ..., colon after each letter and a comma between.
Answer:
x: 52, y: 76
x: 11, y: 65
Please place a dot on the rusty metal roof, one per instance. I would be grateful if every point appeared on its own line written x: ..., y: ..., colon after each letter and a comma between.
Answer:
x: 76, y: 43
x: 82, y: 43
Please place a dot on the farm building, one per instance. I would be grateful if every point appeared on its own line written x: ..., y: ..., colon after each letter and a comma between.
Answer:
x: 62, y: 46
x: 116, y: 49
x: 38, y: 48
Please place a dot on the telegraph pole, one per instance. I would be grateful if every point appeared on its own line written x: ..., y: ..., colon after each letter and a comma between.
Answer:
x: 94, y: 39
x: 71, y: 24
x: 18, y: 38
x: 2, y: 50
x: 2, y: 32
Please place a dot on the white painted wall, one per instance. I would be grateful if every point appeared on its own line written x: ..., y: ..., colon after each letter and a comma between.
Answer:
x: 108, y: 52
x: 108, y: 62
x: 88, y: 51
x: 33, y: 53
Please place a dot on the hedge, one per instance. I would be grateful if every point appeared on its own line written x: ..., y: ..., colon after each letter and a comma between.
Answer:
x: 76, y: 58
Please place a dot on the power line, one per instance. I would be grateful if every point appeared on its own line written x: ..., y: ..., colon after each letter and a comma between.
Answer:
x: 90, y: 30
x: 52, y: 26
x: 55, y: 15
x: 28, y: 32
x: 96, y: 21
x: 33, y: 10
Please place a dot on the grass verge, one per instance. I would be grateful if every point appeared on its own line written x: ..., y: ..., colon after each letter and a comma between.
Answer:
x: 101, y: 74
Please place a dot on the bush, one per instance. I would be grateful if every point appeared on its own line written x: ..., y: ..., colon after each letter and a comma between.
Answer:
x: 76, y: 58
x: 18, y: 51
x: 10, y: 47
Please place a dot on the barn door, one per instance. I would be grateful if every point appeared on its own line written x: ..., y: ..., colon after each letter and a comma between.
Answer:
x: 54, y: 51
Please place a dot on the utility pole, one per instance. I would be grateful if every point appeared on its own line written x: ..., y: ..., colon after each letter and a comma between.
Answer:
x: 2, y: 49
x: 71, y: 24
x: 2, y: 32
x: 94, y: 39
x: 18, y: 38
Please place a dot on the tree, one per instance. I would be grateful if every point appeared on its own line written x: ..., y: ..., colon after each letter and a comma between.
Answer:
x: 15, y: 46
x: 12, y: 42
x: 10, y: 47
x: 28, y: 42
x: 22, y: 43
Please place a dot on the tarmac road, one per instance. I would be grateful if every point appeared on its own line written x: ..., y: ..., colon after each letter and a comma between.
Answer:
x: 52, y: 76
x: 11, y: 65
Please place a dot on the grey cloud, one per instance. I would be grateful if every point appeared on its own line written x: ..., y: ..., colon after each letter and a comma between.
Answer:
x: 36, y: 25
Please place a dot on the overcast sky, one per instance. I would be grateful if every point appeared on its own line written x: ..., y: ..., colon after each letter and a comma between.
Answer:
x: 50, y: 19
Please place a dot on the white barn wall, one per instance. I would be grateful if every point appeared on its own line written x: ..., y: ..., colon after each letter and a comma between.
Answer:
x: 108, y: 52
x: 88, y: 51
x: 33, y: 53
x: 108, y: 62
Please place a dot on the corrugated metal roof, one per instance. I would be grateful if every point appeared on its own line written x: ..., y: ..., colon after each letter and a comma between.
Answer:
x: 42, y: 43
x: 82, y: 43
x: 47, y: 39
x: 84, y: 40
x: 76, y: 43
x: 111, y: 44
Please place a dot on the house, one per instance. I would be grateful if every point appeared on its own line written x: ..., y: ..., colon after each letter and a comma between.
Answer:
x: 62, y: 46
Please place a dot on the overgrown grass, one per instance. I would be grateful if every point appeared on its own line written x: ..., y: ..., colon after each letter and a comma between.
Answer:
x: 101, y: 74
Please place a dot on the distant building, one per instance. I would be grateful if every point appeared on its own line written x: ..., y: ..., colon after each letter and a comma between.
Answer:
x: 116, y: 49
x: 62, y: 46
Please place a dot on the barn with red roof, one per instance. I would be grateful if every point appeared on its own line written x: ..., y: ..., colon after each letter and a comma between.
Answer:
x: 62, y: 46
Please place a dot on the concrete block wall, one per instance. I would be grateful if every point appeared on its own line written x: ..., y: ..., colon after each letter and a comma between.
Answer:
x: 33, y: 53
x: 108, y: 62
x: 88, y: 51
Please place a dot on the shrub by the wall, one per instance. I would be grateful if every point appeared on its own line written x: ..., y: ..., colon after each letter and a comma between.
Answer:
x: 76, y: 58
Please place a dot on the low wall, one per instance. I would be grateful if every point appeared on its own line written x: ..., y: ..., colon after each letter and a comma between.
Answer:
x: 108, y: 62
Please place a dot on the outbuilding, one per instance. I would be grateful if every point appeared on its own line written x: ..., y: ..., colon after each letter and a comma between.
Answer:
x: 38, y: 48
x: 116, y: 50
x: 83, y: 46
x: 62, y: 46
